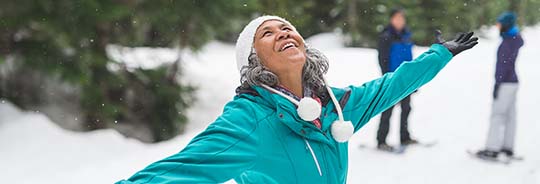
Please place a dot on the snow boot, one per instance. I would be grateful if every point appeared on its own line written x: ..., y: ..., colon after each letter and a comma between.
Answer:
x: 507, y: 152
x: 486, y: 154
x: 385, y: 147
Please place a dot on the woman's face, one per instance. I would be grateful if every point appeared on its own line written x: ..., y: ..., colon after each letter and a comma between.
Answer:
x: 280, y: 48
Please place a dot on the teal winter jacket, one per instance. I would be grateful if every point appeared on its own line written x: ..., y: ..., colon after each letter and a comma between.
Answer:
x: 259, y: 138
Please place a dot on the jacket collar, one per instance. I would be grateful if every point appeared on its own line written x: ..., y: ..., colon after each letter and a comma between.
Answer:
x: 510, y: 33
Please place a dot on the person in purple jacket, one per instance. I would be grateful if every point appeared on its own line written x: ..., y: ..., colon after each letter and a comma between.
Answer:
x: 502, y: 128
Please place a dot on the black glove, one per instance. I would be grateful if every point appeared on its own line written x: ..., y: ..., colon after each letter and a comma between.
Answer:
x: 462, y: 42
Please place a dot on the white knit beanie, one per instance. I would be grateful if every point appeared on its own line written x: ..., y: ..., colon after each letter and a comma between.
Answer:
x: 244, y: 44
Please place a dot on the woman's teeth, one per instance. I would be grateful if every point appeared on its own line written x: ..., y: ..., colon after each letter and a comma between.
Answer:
x: 286, y: 46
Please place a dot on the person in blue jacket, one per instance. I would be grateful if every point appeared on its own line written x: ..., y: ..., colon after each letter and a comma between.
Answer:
x: 502, y: 128
x: 395, y: 47
x: 286, y: 124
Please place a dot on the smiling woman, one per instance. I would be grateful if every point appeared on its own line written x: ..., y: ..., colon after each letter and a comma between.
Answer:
x: 286, y: 125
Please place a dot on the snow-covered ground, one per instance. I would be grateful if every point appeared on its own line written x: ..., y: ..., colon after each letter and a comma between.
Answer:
x: 453, y: 110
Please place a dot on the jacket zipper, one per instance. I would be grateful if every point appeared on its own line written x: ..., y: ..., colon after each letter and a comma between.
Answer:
x: 314, y: 157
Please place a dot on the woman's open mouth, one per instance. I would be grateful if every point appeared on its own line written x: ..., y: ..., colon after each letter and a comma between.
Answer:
x: 288, y: 45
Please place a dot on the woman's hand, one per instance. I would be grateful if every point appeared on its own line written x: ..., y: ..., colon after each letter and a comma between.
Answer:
x: 459, y: 44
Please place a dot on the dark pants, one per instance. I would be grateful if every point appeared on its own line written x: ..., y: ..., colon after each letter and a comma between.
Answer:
x: 384, y: 125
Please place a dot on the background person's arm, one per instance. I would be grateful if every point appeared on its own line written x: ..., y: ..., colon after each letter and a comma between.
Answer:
x: 383, y: 49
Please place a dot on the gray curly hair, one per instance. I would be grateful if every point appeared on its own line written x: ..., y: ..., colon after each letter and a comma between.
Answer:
x: 255, y: 73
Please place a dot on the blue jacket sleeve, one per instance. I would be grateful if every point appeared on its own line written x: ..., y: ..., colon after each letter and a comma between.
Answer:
x: 223, y: 151
x: 376, y: 96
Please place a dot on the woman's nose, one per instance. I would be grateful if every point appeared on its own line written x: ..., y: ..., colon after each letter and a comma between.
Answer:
x: 283, y: 35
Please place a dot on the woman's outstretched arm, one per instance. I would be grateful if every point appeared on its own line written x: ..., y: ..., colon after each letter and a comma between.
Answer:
x: 374, y: 97
x: 224, y: 150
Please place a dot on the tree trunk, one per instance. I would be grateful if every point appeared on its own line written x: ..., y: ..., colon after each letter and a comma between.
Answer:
x: 515, y: 6
x: 352, y: 21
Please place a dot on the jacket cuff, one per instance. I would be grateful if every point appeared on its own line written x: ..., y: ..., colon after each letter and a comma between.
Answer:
x: 442, y: 50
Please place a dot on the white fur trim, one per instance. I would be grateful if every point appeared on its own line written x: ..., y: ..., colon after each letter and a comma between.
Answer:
x: 244, y: 44
x: 308, y: 109
x: 342, y: 130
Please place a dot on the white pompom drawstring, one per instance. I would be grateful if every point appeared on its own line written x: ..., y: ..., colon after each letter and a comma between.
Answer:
x: 309, y: 109
x: 341, y: 130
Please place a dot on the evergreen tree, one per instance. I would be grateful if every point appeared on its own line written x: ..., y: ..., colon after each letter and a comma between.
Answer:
x: 68, y: 38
